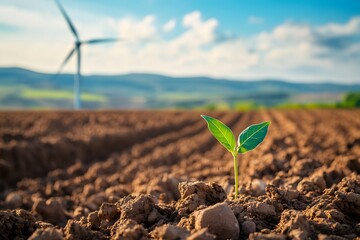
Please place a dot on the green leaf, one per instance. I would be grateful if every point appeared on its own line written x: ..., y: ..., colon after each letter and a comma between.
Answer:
x: 221, y: 132
x: 252, y: 136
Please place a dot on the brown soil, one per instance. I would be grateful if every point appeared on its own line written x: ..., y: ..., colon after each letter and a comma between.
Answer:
x: 161, y: 175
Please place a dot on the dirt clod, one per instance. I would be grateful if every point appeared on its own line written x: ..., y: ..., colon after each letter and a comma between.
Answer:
x: 261, y: 210
x: 108, y: 211
x: 196, y: 194
x: 128, y: 229
x: 141, y: 209
x: 75, y: 230
x: 16, y: 224
x: 295, y: 224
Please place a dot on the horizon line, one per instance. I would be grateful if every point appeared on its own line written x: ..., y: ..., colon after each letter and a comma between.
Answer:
x: 264, y: 79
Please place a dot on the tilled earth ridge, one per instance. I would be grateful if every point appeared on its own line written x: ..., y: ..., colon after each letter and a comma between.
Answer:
x: 161, y: 175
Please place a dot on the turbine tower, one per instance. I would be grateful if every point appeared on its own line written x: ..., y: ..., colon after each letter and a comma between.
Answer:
x: 77, y: 49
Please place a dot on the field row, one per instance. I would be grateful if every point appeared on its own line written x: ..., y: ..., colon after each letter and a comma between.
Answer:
x: 175, y: 143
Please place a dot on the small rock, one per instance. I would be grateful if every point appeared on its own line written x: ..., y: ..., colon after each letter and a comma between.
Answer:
x: 169, y: 232
x: 291, y: 194
x: 51, y: 210
x: 220, y: 221
x: 14, y: 200
x: 248, y: 227
x: 258, y: 187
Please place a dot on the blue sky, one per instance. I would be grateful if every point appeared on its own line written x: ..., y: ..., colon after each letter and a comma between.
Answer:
x: 233, y: 14
x: 285, y: 39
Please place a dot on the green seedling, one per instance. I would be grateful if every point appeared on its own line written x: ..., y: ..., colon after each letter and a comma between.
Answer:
x: 248, y: 140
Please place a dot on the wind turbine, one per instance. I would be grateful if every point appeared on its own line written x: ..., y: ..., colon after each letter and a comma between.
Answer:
x: 77, y: 50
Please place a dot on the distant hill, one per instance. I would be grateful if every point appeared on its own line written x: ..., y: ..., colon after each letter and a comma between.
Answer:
x: 21, y: 88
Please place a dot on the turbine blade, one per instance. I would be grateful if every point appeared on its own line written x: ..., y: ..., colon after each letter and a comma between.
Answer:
x: 67, y: 18
x: 101, y: 40
x: 65, y: 61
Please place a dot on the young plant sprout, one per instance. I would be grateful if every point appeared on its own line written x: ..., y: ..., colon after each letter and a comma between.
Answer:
x: 248, y: 140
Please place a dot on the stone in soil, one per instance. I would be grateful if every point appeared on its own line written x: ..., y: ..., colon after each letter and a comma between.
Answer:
x: 219, y: 220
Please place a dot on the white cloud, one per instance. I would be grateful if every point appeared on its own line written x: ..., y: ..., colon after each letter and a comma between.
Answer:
x: 192, y: 19
x: 133, y: 30
x: 255, y: 20
x: 169, y: 26
x: 289, y: 51
x: 25, y: 19
x: 198, y: 32
x: 335, y: 29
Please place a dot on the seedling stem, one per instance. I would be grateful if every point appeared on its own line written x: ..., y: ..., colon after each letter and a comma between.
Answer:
x: 236, y: 174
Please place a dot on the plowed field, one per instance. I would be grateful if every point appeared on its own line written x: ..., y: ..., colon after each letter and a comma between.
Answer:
x: 162, y: 175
